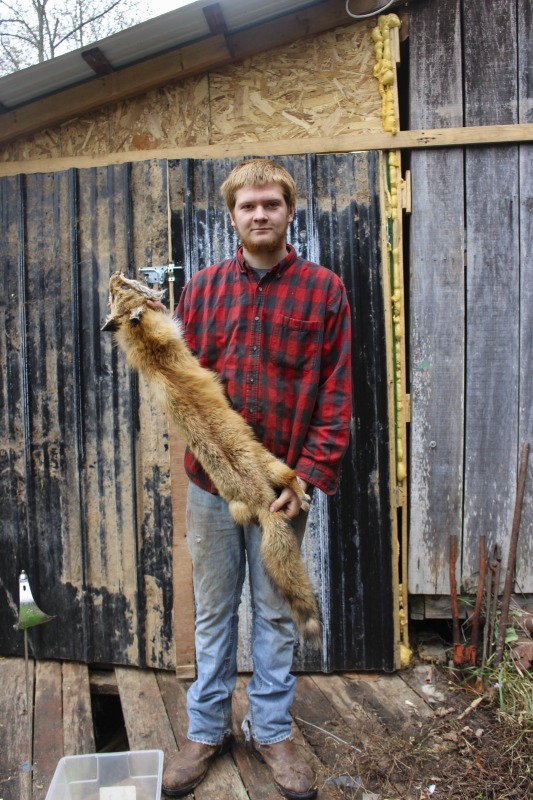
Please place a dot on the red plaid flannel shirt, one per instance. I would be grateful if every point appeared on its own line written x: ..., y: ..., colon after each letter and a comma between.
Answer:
x: 281, y: 346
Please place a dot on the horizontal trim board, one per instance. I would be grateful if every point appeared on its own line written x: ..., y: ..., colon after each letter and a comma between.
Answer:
x: 403, y: 140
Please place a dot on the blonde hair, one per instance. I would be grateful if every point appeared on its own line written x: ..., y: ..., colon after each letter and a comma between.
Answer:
x: 258, y: 172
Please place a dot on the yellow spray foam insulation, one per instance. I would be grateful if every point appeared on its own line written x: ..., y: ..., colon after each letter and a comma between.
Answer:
x: 396, y: 299
x: 384, y: 71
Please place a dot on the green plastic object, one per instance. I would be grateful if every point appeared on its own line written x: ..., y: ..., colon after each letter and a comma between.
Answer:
x: 29, y: 612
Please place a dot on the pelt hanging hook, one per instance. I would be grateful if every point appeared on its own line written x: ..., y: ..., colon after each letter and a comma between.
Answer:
x: 29, y: 612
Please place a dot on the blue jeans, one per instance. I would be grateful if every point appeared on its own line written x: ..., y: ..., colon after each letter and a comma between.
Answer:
x: 219, y: 549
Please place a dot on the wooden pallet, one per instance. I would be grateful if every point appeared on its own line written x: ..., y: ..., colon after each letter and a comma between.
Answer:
x: 153, y: 706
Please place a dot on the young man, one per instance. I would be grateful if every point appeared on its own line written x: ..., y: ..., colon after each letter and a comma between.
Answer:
x: 276, y: 329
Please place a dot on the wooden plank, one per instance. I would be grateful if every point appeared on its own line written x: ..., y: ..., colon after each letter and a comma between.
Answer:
x: 492, y: 285
x: 150, y: 246
x: 327, y: 732
x: 103, y: 682
x: 15, y: 532
x: 256, y: 776
x: 146, y: 720
x: 490, y: 59
x: 426, y: 138
x: 181, y: 560
x: 47, y: 726
x: 395, y: 705
x: 78, y: 731
x: 437, y: 338
x: 435, y: 95
x: 223, y: 780
x: 493, y: 308
x: 15, y: 745
x: 335, y: 689
x: 113, y: 594
x: 47, y: 351
x: 524, y: 572
x: 437, y: 304
x: 398, y: 706
x: 174, y: 694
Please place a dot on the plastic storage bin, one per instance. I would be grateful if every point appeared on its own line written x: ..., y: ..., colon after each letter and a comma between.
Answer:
x: 135, y: 775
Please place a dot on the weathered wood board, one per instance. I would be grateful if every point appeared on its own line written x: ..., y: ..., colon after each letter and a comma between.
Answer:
x: 85, y: 458
x: 471, y: 366
x: 47, y: 726
x: 61, y: 723
x: 146, y: 721
x: 78, y: 731
x: 492, y: 285
x: 15, y: 733
x: 437, y: 338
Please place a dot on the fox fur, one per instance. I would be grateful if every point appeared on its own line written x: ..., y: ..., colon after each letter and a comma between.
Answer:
x: 244, y: 472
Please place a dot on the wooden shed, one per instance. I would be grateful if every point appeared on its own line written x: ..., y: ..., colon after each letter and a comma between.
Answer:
x: 415, y: 186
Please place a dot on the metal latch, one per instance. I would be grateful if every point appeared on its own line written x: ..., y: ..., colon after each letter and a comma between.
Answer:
x: 160, y: 275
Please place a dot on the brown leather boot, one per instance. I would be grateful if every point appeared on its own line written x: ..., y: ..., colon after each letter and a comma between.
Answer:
x: 292, y: 775
x: 189, y: 767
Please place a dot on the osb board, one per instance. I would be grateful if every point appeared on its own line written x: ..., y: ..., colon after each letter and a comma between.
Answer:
x: 319, y: 86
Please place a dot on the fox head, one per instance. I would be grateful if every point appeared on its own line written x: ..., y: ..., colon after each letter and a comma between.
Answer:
x: 127, y: 301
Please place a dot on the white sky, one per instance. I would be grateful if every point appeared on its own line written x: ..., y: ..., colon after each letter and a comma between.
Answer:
x: 157, y: 7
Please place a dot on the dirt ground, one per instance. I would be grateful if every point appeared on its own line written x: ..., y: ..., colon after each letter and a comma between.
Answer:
x: 466, y: 750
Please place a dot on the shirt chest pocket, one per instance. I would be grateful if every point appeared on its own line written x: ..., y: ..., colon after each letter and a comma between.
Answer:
x: 297, y: 343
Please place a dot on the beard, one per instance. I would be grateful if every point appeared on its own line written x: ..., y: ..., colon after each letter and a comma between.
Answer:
x: 266, y: 244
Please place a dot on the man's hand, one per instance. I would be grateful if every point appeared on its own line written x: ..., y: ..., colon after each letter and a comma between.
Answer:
x: 157, y: 306
x: 289, y: 502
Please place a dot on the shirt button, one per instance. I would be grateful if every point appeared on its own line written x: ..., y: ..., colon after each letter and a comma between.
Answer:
x: 256, y: 318
x: 251, y: 380
x: 254, y: 347
x: 260, y: 288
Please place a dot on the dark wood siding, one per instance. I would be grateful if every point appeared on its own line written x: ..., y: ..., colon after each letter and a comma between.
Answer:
x: 86, y: 472
x: 349, y: 543
x: 82, y: 477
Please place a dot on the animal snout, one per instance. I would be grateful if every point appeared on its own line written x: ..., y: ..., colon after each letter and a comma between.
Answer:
x: 109, y: 325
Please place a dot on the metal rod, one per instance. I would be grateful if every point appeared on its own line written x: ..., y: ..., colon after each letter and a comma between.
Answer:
x: 480, y: 588
x: 474, y: 639
x: 511, y: 561
x: 29, y: 705
x: 494, y: 613
x: 458, y: 651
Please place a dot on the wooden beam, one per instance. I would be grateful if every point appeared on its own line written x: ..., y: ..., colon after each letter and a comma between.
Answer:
x: 78, y: 731
x: 214, y: 16
x: 146, y: 720
x: 403, y: 140
x: 97, y: 61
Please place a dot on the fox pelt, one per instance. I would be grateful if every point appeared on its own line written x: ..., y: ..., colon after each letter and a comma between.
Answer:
x: 244, y: 472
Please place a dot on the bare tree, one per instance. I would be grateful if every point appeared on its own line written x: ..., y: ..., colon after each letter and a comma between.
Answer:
x: 32, y: 31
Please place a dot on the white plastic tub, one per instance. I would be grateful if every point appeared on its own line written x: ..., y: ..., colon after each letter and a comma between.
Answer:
x: 135, y: 775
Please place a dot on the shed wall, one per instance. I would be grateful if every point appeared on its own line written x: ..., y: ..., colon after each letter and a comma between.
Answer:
x: 471, y: 291
x: 84, y: 456
x: 317, y: 86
